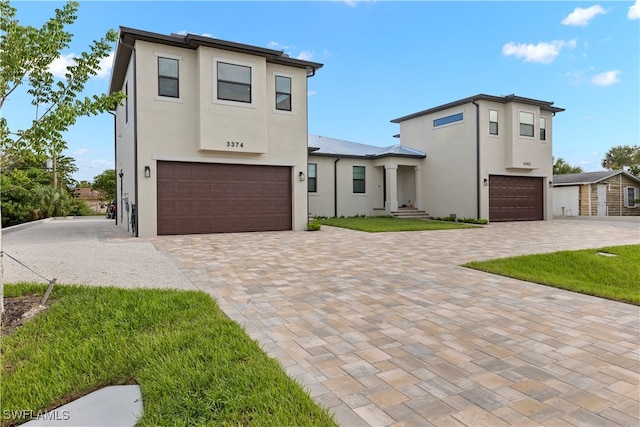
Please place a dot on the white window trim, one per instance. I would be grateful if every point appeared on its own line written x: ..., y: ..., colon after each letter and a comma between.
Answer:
x: 159, y: 54
x: 365, y: 181
x: 448, y: 124
x: 275, y: 110
x: 531, y: 138
x: 627, y: 201
x: 215, y: 99
x: 491, y: 135
x: 547, y: 120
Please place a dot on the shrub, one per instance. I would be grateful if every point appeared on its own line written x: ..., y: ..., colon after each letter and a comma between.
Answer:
x: 313, y: 225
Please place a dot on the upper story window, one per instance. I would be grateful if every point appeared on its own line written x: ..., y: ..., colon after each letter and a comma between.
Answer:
x: 283, y: 93
x: 543, y: 128
x: 234, y: 82
x: 312, y: 182
x: 358, y: 179
x: 493, y: 122
x: 168, y: 77
x: 526, y: 123
x: 449, y: 119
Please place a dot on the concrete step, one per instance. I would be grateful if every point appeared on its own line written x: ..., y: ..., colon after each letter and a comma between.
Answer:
x: 411, y: 213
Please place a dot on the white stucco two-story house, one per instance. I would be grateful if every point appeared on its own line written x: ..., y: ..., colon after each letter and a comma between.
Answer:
x: 212, y: 136
x: 487, y: 157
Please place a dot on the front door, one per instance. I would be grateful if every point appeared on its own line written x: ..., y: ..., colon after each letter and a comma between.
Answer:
x: 602, y: 200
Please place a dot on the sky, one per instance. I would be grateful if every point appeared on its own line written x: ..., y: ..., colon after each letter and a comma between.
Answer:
x: 387, y: 59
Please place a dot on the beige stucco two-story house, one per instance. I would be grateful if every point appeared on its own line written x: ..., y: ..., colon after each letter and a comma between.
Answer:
x: 487, y: 157
x: 212, y: 136
x: 482, y: 157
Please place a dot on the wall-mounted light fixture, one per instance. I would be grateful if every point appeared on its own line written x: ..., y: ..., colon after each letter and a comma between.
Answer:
x: 301, y: 176
x: 486, y: 182
x: 147, y: 172
x: 550, y: 184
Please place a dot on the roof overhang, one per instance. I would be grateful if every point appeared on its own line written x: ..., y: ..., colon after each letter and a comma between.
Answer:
x: 129, y: 36
x: 544, y: 105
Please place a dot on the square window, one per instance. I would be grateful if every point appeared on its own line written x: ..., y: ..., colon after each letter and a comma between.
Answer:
x: 234, y: 82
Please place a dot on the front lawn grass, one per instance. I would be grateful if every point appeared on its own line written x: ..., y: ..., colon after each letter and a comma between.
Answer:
x: 585, y: 271
x: 193, y: 364
x: 374, y: 224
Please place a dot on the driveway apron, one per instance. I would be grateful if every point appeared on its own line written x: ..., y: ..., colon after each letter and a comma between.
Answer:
x: 389, y: 329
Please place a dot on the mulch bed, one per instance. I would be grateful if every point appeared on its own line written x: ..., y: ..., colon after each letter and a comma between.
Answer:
x: 15, y: 309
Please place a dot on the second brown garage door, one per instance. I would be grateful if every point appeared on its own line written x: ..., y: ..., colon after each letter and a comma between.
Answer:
x: 196, y: 198
x: 515, y: 198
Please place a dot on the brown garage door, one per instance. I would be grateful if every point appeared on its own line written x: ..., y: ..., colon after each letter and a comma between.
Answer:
x: 515, y: 198
x: 196, y: 198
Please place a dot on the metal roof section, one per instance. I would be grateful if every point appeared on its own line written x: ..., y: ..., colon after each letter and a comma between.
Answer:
x: 544, y: 105
x: 332, y: 147
x: 128, y: 37
x: 587, y: 177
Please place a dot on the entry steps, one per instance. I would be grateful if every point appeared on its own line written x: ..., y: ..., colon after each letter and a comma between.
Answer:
x: 410, y: 213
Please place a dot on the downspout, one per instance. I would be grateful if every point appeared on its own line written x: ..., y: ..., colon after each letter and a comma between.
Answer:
x: 477, y: 158
x: 115, y: 158
x: 135, y: 135
x: 335, y: 187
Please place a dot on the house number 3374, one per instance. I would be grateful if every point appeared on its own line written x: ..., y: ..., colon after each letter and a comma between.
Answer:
x: 235, y: 144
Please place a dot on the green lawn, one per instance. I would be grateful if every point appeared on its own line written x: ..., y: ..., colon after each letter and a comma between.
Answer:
x: 193, y: 364
x: 384, y: 223
x: 585, y: 271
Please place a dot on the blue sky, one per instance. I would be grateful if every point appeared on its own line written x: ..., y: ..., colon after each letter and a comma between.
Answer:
x: 383, y: 60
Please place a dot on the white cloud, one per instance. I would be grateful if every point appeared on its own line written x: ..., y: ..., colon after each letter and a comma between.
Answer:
x: 580, y: 17
x: 81, y: 152
x: 105, y: 65
x: 277, y: 46
x: 542, y: 52
x: 634, y: 11
x: 606, y: 78
x: 575, y: 77
x: 305, y: 55
x: 59, y: 65
x: 311, y: 93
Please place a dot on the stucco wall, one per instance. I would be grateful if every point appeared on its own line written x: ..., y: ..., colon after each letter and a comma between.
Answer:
x: 196, y: 128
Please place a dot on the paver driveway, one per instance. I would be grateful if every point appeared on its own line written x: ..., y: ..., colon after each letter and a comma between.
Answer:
x: 388, y: 329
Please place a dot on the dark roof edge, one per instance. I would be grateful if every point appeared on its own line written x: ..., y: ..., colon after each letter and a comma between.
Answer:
x: 129, y: 36
x: 612, y: 173
x: 367, y: 156
x: 544, y: 105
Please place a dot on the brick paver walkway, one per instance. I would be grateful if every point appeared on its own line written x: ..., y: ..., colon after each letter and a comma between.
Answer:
x: 388, y: 329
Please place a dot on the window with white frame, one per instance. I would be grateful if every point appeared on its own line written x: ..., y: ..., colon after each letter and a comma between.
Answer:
x: 526, y: 123
x: 631, y: 197
x: 359, y: 179
x: 283, y: 93
x: 493, y: 122
x: 234, y: 82
x: 168, y: 77
x: 312, y: 182
x: 543, y: 128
